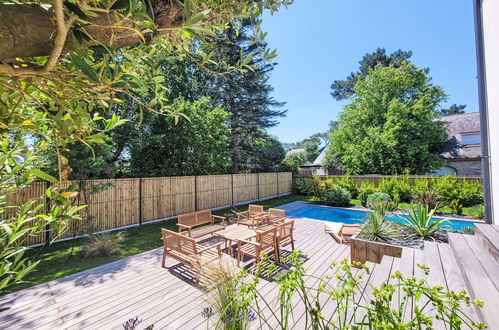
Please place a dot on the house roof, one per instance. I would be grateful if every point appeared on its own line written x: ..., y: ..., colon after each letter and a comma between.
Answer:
x: 456, y: 126
x: 319, y: 161
x: 294, y: 151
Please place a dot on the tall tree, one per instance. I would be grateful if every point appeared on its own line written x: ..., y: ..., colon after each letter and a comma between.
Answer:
x: 389, y: 127
x: 268, y: 155
x: 194, y: 147
x: 246, y: 95
x: 343, y: 89
x: 452, y: 110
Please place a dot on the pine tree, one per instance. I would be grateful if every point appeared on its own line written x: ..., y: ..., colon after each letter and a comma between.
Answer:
x: 246, y: 95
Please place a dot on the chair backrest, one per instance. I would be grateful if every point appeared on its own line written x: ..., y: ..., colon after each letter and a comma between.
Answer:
x: 286, y: 229
x: 276, y: 214
x: 178, y: 242
x: 203, y: 217
x: 255, y: 209
x: 188, y: 219
x: 267, y: 238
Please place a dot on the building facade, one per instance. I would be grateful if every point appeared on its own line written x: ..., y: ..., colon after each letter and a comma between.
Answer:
x: 462, y: 151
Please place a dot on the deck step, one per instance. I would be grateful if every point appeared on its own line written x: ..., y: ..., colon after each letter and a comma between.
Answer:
x: 480, y: 271
x: 489, y: 235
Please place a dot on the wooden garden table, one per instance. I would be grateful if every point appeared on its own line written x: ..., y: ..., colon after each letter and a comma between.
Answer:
x: 233, y: 233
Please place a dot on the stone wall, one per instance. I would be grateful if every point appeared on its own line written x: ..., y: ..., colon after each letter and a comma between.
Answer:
x: 466, y: 167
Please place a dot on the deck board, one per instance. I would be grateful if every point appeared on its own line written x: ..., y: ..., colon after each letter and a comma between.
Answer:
x: 105, y: 297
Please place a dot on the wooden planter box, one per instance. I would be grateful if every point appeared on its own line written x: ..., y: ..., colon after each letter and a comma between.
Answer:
x: 362, y: 250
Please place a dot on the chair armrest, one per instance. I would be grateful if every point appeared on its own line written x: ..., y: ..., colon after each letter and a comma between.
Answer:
x: 278, y: 221
x: 217, y: 245
x: 219, y: 217
x: 239, y: 241
x: 180, y: 226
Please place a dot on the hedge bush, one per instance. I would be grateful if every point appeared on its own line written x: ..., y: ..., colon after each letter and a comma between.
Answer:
x: 378, y: 197
x: 399, y: 188
x: 338, y: 196
x: 449, y: 189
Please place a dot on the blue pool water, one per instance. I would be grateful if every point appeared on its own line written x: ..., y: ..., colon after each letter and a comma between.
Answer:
x: 355, y: 216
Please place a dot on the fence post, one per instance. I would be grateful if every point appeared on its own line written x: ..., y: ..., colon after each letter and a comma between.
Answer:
x: 258, y: 186
x: 47, y: 207
x: 140, y: 201
x: 277, y: 184
x: 232, y: 188
x: 195, y: 192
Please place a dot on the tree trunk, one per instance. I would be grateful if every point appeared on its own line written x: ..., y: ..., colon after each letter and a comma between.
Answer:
x: 28, y: 30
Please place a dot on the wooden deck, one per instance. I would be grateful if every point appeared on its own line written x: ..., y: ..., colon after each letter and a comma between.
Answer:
x: 107, y: 296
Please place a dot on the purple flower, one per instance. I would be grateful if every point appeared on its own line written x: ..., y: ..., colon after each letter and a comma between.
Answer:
x: 251, y: 315
x: 207, y: 312
x: 132, y: 323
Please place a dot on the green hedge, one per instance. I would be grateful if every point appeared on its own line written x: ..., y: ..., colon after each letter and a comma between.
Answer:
x: 452, y: 190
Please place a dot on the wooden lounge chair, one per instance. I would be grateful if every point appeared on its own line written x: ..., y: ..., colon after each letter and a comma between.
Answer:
x: 264, y: 244
x: 199, y: 223
x: 251, y: 217
x: 285, y: 236
x: 342, y: 232
x: 185, y: 250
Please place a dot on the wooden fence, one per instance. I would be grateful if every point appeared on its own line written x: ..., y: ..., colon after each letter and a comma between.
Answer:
x: 115, y: 203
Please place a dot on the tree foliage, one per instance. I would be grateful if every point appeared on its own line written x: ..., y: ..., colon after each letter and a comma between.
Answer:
x: 389, y: 126
x: 194, y: 147
x: 66, y: 75
x: 452, y: 110
x: 343, y: 89
x: 245, y: 94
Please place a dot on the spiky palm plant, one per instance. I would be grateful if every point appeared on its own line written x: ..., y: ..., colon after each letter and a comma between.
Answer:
x: 420, y: 221
x: 376, y: 226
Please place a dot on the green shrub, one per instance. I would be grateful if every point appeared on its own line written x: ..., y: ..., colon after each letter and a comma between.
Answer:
x: 377, y: 228
x: 337, y: 197
x: 365, y: 189
x: 420, y: 222
x: 456, y: 207
x: 347, y: 183
x: 302, y: 186
x: 399, y: 188
x: 377, y: 197
x: 466, y: 193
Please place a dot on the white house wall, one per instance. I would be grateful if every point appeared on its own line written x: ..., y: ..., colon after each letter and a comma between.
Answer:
x: 490, y: 23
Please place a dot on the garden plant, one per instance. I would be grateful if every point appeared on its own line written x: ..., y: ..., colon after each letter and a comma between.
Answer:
x: 339, y: 300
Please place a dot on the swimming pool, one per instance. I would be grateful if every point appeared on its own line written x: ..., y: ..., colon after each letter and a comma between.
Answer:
x: 334, y: 214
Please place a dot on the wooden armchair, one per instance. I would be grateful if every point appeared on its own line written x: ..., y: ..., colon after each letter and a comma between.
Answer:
x: 272, y: 217
x: 285, y: 236
x: 264, y: 244
x: 185, y: 250
x: 251, y: 217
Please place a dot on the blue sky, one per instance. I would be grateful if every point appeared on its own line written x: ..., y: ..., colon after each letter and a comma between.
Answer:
x: 319, y: 41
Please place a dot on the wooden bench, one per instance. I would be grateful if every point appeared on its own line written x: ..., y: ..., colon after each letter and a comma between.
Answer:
x: 187, y: 223
x: 185, y: 250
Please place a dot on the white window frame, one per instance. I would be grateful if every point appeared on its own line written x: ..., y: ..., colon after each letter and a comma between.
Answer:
x: 475, y: 136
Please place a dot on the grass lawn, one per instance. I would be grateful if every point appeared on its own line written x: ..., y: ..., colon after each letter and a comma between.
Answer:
x: 470, y: 211
x: 64, y: 258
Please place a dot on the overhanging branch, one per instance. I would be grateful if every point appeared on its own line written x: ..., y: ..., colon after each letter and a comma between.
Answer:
x: 28, y: 30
